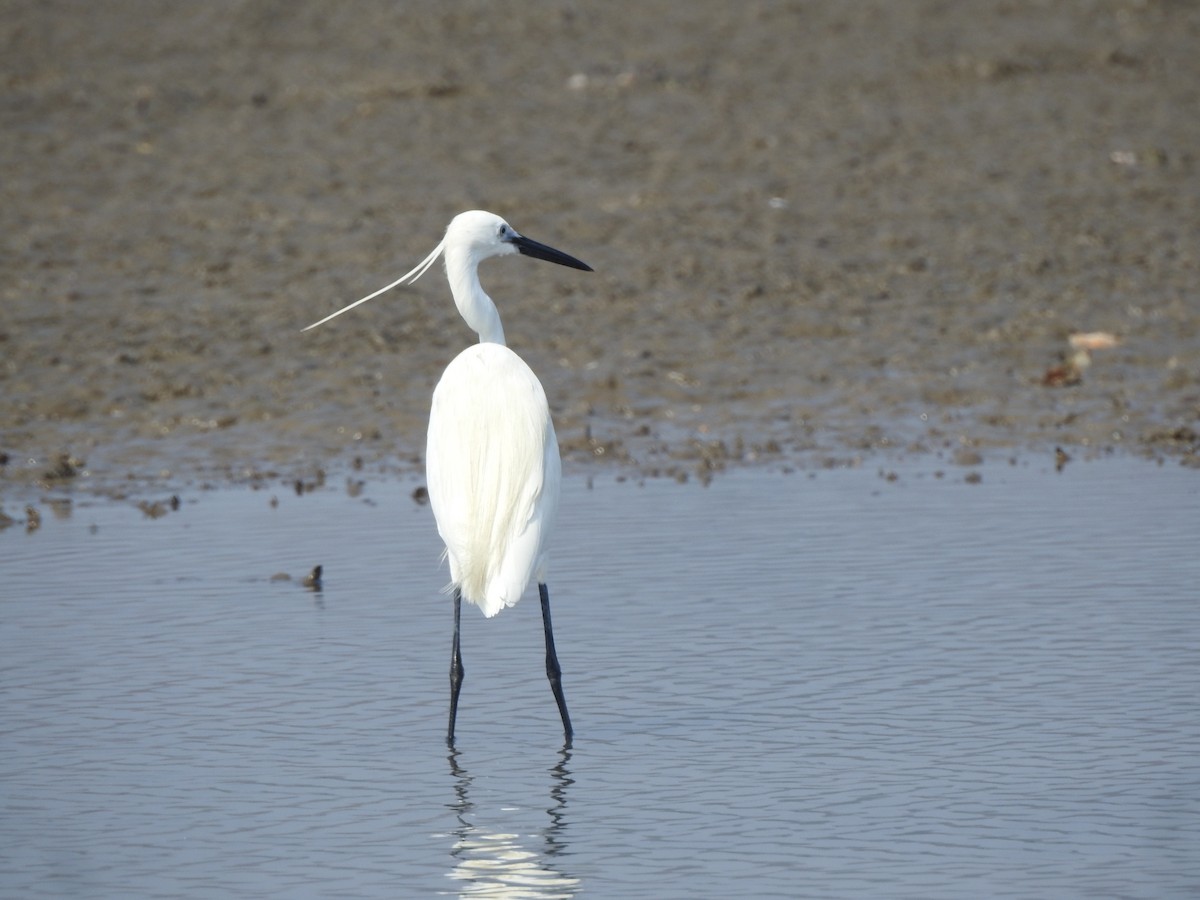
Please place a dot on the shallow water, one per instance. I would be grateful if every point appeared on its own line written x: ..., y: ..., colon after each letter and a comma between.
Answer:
x: 825, y: 685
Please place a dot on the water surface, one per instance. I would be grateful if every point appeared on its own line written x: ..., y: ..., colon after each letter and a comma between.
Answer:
x: 825, y: 684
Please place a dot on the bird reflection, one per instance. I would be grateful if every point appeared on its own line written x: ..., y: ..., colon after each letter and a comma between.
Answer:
x: 494, y: 863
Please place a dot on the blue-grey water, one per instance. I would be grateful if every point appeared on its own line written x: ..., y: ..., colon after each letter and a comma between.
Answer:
x: 805, y: 685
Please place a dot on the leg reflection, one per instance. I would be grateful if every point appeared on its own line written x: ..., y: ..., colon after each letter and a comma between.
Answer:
x: 490, y: 854
x: 553, y: 836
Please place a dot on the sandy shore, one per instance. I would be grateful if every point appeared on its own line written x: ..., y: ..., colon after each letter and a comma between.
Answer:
x: 820, y: 230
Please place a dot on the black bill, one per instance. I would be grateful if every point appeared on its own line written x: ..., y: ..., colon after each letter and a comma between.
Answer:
x: 549, y: 254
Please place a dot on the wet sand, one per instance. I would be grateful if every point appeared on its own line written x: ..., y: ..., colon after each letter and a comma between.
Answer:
x: 820, y: 231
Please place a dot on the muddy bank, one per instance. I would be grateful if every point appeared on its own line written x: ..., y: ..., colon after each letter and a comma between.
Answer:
x: 819, y: 230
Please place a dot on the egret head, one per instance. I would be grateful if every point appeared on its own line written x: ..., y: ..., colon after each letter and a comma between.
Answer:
x: 472, y: 237
x: 481, y: 235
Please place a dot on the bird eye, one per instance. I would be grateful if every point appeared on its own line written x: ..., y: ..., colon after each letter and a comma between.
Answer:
x: 503, y: 229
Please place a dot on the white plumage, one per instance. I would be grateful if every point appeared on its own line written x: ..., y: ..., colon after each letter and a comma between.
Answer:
x: 492, y: 460
x: 493, y: 469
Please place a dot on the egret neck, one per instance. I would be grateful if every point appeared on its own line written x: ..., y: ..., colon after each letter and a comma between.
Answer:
x: 474, y: 305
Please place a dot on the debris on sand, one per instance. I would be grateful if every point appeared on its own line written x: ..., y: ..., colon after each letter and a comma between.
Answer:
x: 1070, y: 371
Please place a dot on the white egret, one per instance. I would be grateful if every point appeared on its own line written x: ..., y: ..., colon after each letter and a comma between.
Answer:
x: 491, y: 460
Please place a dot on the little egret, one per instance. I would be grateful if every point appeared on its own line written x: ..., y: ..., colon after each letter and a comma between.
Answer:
x: 492, y: 458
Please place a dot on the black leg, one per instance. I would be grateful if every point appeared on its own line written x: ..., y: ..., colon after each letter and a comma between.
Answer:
x: 456, y: 667
x: 553, y: 671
